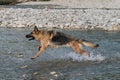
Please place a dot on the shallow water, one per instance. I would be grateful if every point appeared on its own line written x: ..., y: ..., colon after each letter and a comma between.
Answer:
x: 61, y: 63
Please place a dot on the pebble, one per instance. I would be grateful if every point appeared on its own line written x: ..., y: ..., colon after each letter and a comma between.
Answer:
x: 35, y: 73
x: 53, y: 73
x: 20, y: 55
x: 24, y: 67
x: 24, y: 75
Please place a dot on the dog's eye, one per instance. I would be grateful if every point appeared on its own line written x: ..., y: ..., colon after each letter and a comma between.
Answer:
x: 32, y: 32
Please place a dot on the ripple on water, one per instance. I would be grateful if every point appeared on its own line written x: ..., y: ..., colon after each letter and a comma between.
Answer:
x: 16, y: 51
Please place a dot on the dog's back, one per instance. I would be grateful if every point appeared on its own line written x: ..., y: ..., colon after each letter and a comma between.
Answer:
x: 61, y: 38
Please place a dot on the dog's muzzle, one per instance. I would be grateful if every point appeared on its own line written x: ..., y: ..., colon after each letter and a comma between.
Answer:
x: 30, y: 37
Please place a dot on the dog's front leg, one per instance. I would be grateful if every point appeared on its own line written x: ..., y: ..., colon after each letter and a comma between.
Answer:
x: 42, y: 49
x: 38, y: 47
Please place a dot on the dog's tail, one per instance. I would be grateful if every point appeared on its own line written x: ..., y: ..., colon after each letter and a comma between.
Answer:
x: 89, y: 44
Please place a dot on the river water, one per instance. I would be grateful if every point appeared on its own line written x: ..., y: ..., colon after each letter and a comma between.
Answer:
x: 60, y: 63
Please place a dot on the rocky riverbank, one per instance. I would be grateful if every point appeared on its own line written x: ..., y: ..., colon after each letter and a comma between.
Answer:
x: 55, y: 15
x: 62, y: 18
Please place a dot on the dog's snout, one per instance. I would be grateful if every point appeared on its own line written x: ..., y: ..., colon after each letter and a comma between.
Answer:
x: 27, y: 36
x: 30, y: 37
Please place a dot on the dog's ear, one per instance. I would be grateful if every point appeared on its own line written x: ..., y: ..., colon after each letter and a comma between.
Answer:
x: 35, y: 28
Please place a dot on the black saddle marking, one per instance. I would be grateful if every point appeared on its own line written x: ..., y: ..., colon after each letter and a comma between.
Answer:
x: 61, y: 38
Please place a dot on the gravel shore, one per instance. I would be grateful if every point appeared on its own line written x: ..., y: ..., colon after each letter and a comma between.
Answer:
x: 52, y: 16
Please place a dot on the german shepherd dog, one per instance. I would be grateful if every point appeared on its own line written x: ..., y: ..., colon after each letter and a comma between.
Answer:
x: 55, y: 39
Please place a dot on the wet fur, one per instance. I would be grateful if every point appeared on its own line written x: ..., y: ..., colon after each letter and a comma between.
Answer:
x: 56, y: 39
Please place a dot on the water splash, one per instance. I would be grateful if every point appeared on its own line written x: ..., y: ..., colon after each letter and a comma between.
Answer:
x: 65, y: 53
x: 93, y: 57
x: 99, y: 54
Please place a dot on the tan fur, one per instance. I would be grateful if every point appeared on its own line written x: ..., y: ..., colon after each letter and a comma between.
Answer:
x: 45, y: 38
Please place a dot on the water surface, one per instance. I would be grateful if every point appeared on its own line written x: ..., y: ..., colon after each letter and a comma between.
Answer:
x: 61, y: 63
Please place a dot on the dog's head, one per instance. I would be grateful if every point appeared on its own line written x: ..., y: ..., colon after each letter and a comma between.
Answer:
x: 34, y: 34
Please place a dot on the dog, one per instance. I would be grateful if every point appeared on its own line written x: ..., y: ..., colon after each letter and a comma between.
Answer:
x: 55, y: 39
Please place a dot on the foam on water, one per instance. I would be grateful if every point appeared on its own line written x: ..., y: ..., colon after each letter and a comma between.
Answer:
x: 77, y: 57
x: 93, y: 57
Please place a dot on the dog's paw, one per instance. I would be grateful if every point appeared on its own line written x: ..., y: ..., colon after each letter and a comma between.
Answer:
x: 32, y: 58
x: 86, y: 53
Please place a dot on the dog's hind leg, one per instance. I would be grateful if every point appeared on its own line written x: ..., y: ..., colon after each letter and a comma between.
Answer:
x: 77, y: 47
